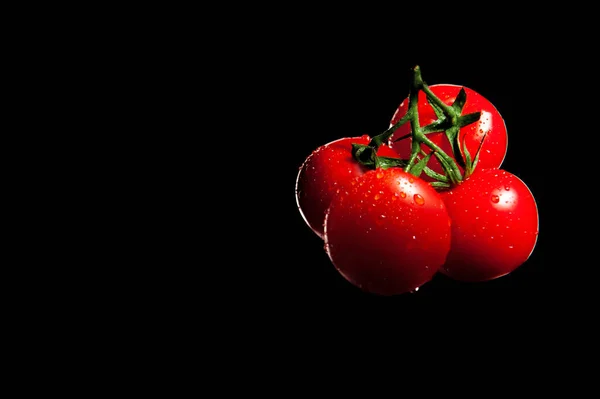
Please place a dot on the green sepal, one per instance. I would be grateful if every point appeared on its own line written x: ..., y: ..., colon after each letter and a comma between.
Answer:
x: 452, y: 134
x: 468, y: 164
x: 460, y: 101
x: 389, y: 162
x: 367, y: 156
x: 448, y: 168
x: 434, y: 175
x: 417, y: 169
x: 439, y: 184
x: 467, y: 119
x: 438, y: 125
x: 364, y: 154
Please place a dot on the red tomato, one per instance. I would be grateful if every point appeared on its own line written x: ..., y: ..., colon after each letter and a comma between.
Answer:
x: 490, y: 123
x: 389, y: 233
x: 328, y: 170
x: 494, y: 225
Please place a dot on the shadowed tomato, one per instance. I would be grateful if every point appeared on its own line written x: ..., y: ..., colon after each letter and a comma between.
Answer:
x: 389, y: 233
x: 490, y: 124
x: 327, y: 171
x: 494, y: 225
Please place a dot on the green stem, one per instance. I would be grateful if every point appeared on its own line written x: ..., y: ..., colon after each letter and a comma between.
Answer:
x: 449, y: 120
x: 417, y: 133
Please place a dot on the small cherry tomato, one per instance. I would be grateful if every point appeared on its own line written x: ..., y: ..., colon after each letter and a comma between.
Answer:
x: 490, y: 124
x: 388, y: 233
x: 494, y: 225
x: 328, y: 170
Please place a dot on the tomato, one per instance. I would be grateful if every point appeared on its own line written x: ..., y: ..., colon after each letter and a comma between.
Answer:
x: 490, y: 123
x: 388, y: 233
x: 329, y: 169
x: 494, y: 225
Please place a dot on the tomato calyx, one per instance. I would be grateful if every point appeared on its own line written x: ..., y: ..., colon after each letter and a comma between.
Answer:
x: 367, y: 155
x: 449, y: 120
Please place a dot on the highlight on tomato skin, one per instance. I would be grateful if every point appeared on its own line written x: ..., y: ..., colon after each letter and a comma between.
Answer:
x: 389, y: 233
x: 490, y: 125
x: 495, y: 226
x: 328, y: 170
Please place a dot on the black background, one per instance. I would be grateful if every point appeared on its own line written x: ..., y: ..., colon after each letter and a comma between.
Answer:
x: 226, y: 261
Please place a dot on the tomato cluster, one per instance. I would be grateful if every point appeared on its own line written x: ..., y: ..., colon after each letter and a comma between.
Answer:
x: 426, y: 196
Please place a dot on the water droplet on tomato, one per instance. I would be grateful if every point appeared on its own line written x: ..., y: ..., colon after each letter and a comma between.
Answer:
x: 507, y: 188
x: 510, y: 246
x: 379, y: 175
x: 411, y: 180
x: 495, y: 199
x: 403, y: 194
x: 376, y: 197
x: 415, y: 290
x: 419, y: 200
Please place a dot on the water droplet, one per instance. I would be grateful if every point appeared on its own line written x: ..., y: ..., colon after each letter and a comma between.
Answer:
x: 510, y: 246
x: 411, y: 180
x: 379, y: 175
x: 403, y: 194
x: 507, y: 188
x: 415, y: 290
x: 376, y: 197
x: 382, y: 216
x: 414, y: 237
x: 495, y: 199
x: 419, y: 200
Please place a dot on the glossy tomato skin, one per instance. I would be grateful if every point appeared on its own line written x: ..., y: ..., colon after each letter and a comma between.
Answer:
x: 328, y: 170
x: 389, y: 233
x: 494, y: 225
x: 491, y: 123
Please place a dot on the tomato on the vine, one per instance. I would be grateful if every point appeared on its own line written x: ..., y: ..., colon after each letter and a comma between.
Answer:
x: 328, y: 170
x: 490, y: 125
x: 494, y: 225
x: 388, y: 233
x: 427, y: 195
